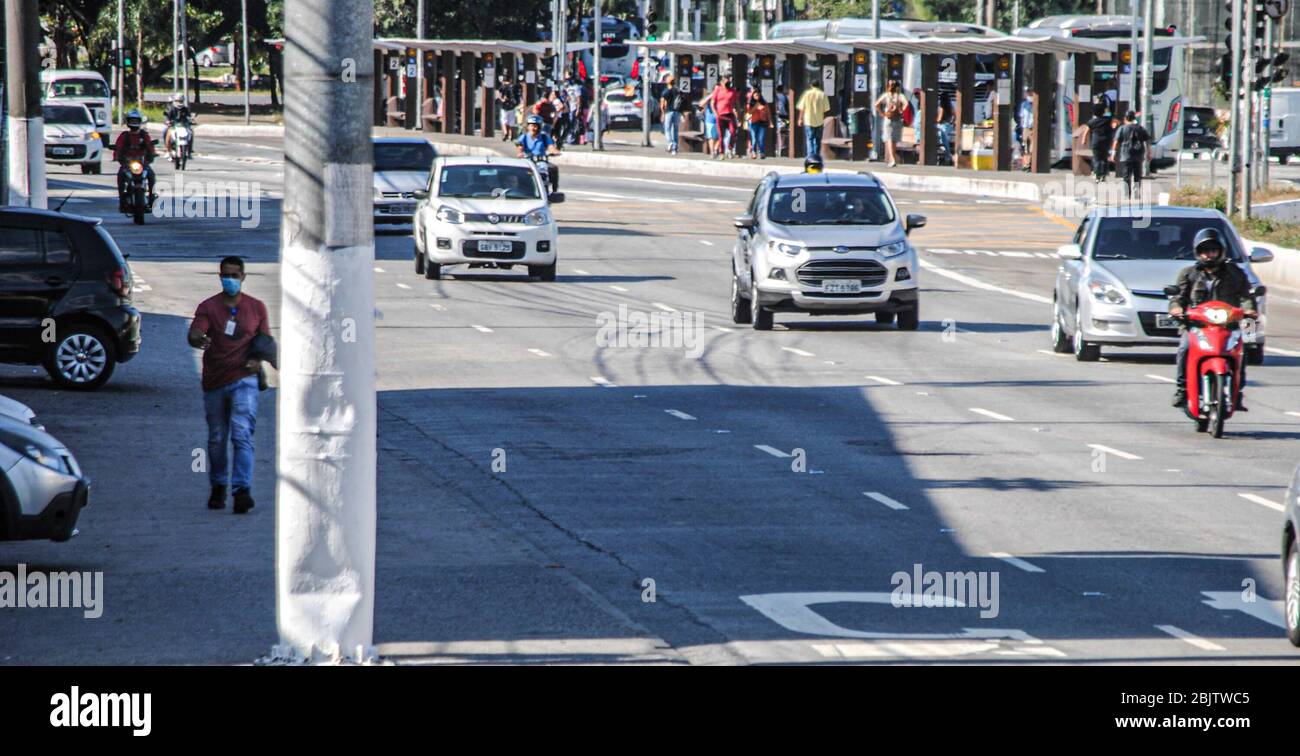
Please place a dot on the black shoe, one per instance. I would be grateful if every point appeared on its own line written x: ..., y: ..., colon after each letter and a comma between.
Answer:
x: 243, y: 501
x: 218, y: 498
x: 1241, y: 404
x: 1180, y: 398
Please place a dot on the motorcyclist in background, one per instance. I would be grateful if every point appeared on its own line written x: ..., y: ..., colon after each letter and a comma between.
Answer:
x: 178, y: 113
x: 134, y: 144
x: 535, y: 142
x: 1213, y: 278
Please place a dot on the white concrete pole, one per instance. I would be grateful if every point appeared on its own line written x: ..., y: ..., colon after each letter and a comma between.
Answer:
x: 25, y: 152
x: 243, y: 8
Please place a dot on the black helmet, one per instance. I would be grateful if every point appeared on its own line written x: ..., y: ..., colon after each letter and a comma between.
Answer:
x: 1209, y: 239
x: 813, y: 164
x: 134, y: 120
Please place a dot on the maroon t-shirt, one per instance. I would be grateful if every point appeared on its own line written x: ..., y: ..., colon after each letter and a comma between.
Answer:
x: 223, y: 362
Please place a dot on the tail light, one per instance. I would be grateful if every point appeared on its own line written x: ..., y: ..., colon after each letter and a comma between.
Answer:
x: 1175, y: 115
x: 117, y: 281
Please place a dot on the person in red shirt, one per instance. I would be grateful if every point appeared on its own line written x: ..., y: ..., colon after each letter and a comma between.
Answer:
x: 224, y: 327
x: 725, y: 101
x: 134, y: 144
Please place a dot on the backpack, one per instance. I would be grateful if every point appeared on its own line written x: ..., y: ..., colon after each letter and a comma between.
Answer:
x: 908, y: 113
x: 1132, y: 137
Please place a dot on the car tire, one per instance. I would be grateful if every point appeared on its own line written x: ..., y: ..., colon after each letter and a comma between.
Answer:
x: 82, y: 358
x: 1254, y: 354
x: 1084, y: 351
x: 85, y: 169
x: 1060, y: 341
x: 759, y: 317
x: 739, y: 305
x: 910, y: 319
x: 884, y: 318
x: 432, y: 270
x: 1291, y: 599
x: 542, y: 272
x: 419, y: 261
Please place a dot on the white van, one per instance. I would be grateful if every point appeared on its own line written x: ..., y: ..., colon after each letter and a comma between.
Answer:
x: 1284, y: 124
x: 68, y: 87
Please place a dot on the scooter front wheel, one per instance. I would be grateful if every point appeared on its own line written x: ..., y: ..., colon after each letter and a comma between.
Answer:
x: 1216, y: 417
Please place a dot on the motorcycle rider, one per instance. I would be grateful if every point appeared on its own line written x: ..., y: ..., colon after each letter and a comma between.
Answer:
x: 134, y: 144
x: 813, y: 164
x: 535, y: 142
x: 1213, y: 278
x: 177, y: 113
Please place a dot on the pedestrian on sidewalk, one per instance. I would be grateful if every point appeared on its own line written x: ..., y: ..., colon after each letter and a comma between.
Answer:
x: 671, y: 103
x: 507, y: 100
x: 782, y: 121
x: 812, y: 108
x: 758, y: 116
x: 726, y: 100
x: 891, y: 106
x: 1130, y: 151
x: 225, y: 327
x: 1099, y: 132
x: 563, y: 119
x: 710, y: 127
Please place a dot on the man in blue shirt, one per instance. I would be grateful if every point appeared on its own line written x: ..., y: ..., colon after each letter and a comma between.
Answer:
x: 535, y: 143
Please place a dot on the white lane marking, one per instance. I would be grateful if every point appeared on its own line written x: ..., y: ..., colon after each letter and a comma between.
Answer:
x: 1187, y: 637
x: 618, y: 288
x: 603, y: 382
x: 724, y: 329
x: 1043, y: 255
x: 600, y: 199
x: 994, y: 415
x: 1016, y: 561
x: 1261, y: 500
x: 1283, y: 352
x: 142, y: 287
x: 883, y: 499
x: 1294, y: 414
x: 403, y: 286
x: 1162, y: 378
x: 663, y: 307
x: 1009, y: 253
x: 680, y: 415
x: 581, y: 272
x: 799, y: 352
x: 1050, y: 353
x: 539, y: 352
x: 716, y: 201
x: 438, y: 307
x: 706, y: 242
x: 770, y: 450
x: 1116, y: 452
x: 599, y: 194
x: 975, y: 283
x: 378, y: 269
x: 885, y: 381
x: 481, y: 329
x: 660, y: 200
x: 1264, y: 610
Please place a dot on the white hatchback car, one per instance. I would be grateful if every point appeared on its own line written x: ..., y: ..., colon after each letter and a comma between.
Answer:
x: 485, y: 212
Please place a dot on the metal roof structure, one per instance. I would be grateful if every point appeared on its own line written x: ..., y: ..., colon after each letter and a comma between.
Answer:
x: 1025, y: 45
x: 752, y: 47
x: 476, y: 46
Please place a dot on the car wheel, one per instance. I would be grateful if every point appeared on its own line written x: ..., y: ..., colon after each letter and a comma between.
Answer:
x: 82, y: 358
x: 1254, y: 354
x: 1060, y: 342
x: 96, y: 169
x: 884, y: 318
x: 1291, y: 605
x: 759, y: 317
x: 419, y: 260
x: 543, y: 272
x: 432, y: 270
x: 1084, y: 351
x: 910, y: 319
x: 85, y: 168
x: 739, y: 305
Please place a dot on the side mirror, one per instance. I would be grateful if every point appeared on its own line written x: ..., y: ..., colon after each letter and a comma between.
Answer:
x: 556, y: 198
x: 1260, y: 255
x: 1069, y: 252
x: 913, y: 221
x: 1259, y: 291
x: 1171, y: 290
x: 420, y: 194
x: 743, y: 221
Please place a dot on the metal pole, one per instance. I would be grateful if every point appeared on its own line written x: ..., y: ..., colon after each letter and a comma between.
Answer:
x: 1266, y: 109
x: 25, y: 125
x: 176, y: 45
x: 643, y: 54
x: 1148, y: 52
x: 597, y: 102
x: 185, y: 51
x: 117, y: 65
x: 1133, y: 102
x: 672, y: 18
x: 875, y: 80
x: 1248, y: 110
x: 1234, y: 110
x: 248, y: 110
x: 741, y: 31
x: 325, y: 507
x: 419, y: 68
x: 1015, y: 16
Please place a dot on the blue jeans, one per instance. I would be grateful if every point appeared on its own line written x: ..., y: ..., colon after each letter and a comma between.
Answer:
x: 672, y: 125
x: 758, y: 138
x: 232, y: 416
x: 813, y: 140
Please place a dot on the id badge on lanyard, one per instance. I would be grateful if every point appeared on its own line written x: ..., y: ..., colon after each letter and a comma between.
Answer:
x: 230, y: 324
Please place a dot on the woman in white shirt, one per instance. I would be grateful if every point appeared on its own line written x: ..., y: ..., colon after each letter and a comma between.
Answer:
x: 891, y: 106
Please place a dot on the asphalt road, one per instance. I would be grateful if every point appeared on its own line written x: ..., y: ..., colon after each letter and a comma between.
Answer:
x: 749, y: 480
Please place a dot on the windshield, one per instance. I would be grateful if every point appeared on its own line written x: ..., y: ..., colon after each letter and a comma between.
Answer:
x: 1161, y: 239
x: 77, y: 88
x: 403, y: 157
x: 74, y: 114
x: 830, y: 206
x: 488, y: 182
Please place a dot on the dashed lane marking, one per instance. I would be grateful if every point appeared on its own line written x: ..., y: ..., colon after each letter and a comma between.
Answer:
x: 991, y: 414
x: 770, y: 450
x: 680, y: 415
x: 1186, y: 637
x: 1262, y: 501
x: 1116, y: 452
x: 1016, y: 562
x: 883, y: 499
x: 481, y: 329
x: 800, y: 352
x: 884, y: 381
x: 539, y: 352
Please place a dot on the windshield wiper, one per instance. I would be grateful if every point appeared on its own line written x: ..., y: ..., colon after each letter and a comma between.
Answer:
x: 1111, y: 257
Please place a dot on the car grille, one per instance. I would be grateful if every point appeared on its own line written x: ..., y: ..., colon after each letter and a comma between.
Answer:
x: 77, y: 151
x: 869, y: 272
x: 398, y: 195
x: 487, y: 218
x: 469, y: 248
x: 1148, y: 320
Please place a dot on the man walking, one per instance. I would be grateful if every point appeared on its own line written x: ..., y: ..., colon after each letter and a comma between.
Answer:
x: 224, y: 327
x: 812, y: 107
x: 670, y: 106
x: 1130, y: 151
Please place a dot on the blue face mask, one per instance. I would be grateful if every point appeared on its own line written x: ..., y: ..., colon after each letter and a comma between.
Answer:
x: 230, y: 286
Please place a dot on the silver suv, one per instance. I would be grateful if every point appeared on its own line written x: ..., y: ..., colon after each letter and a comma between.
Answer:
x: 824, y: 244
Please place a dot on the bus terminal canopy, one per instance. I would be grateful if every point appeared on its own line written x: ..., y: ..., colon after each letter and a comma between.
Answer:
x: 1017, y: 45
x: 476, y: 46
x: 751, y: 47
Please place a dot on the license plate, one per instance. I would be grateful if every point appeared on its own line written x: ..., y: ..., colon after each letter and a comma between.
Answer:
x: 1164, y: 321
x: 62, y: 151
x: 407, y: 209
x: 842, y: 287
x: 493, y: 246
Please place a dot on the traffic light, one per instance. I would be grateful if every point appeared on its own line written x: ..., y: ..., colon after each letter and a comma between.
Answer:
x: 126, y: 58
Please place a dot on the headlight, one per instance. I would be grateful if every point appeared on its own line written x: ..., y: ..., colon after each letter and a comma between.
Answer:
x: 893, y: 250
x: 448, y: 214
x: 137, y: 167
x: 378, y: 194
x: 1107, y: 293
x: 789, y: 249
x: 539, y: 217
x: 45, y: 458
x: 1216, y: 315
x: 93, y: 135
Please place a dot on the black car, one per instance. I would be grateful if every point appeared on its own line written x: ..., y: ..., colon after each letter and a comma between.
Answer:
x: 1199, y: 129
x: 65, y: 297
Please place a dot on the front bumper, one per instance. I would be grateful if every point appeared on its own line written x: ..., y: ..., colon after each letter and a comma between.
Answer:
x: 46, y: 503
x: 883, y: 292
x: 456, y: 243
x: 69, y: 152
x: 1129, y: 325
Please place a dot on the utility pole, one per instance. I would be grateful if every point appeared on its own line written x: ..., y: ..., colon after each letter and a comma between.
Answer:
x: 26, y: 145
x: 176, y: 45
x: 672, y: 18
x: 1247, y: 104
x: 875, y: 80
x: 325, y: 495
x: 248, y: 118
x: 119, y: 71
x: 1148, y: 53
x: 1266, y: 107
x: 1234, y: 110
x: 643, y: 54
x: 419, y: 60
x: 598, y: 102
x: 185, y: 51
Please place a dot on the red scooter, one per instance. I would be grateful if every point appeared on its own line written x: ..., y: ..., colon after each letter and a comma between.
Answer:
x: 1215, y: 354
